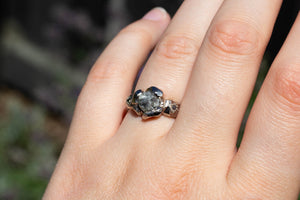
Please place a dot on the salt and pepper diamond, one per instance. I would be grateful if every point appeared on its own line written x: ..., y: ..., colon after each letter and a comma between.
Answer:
x: 150, y: 103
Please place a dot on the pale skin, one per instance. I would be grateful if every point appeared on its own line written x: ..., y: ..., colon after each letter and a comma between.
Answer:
x: 207, y: 58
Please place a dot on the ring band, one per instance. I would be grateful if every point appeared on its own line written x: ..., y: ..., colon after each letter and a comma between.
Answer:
x: 150, y: 103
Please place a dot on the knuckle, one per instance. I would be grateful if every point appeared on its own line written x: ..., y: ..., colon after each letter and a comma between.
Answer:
x: 103, y: 70
x: 176, y: 47
x: 287, y: 85
x: 234, y: 37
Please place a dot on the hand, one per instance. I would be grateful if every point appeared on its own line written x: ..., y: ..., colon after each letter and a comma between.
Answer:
x: 207, y: 58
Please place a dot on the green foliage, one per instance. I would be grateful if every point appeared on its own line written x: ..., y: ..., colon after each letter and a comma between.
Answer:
x: 27, y: 157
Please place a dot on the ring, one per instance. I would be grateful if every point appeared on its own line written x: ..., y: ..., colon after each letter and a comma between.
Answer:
x: 150, y: 103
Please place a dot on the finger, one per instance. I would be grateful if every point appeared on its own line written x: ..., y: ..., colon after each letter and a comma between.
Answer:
x: 100, y: 106
x: 222, y: 80
x: 170, y: 65
x: 268, y: 160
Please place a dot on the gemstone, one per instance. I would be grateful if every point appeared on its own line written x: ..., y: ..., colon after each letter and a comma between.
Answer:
x: 167, y: 110
x: 148, y: 101
x: 171, y: 108
x: 174, y: 107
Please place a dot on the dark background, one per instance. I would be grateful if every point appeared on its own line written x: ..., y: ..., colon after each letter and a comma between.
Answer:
x: 46, y: 50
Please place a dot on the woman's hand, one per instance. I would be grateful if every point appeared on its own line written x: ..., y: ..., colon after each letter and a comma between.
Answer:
x: 207, y: 58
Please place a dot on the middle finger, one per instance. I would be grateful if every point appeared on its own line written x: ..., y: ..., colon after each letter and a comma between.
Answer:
x: 222, y: 80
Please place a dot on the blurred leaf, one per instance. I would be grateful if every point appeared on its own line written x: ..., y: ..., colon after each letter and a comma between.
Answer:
x: 27, y: 156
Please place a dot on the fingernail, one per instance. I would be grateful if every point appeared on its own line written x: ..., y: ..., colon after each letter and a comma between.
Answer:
x: 156, y: 14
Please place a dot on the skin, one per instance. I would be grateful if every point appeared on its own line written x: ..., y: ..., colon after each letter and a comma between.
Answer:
x: 207, y: 57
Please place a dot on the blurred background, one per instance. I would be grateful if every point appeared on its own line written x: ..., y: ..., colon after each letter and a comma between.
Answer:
x: 46, y: 50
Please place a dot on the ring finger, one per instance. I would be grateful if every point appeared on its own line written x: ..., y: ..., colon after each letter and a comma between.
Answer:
x: 170, y: 65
